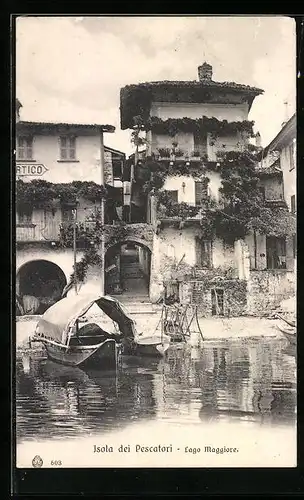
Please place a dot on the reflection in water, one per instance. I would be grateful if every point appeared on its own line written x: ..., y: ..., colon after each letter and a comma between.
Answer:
x: 247, y: 381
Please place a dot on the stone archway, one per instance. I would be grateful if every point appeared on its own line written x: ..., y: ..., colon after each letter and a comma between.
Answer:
x: 39, y: 284
x: 127, y: 269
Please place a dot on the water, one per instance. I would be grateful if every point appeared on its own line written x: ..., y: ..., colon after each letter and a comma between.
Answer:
x: 248, y: 382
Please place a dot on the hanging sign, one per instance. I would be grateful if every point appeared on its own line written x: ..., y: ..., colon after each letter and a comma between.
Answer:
x: 32, y: 169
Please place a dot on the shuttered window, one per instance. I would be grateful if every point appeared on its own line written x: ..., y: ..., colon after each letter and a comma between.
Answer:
x: 67, y: 147
x: 25, y: 148
x: 200, y: 143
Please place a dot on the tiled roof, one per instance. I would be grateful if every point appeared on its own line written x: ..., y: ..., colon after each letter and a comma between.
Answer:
x: 201, y: 84
x: 105, y: 128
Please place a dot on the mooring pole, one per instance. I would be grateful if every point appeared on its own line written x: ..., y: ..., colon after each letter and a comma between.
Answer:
x: 75, y: 249
x: 102, y: 214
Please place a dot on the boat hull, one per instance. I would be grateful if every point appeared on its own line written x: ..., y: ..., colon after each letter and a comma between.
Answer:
x: 147, y: 346
x: 101, y: 356
x: 291, y: 337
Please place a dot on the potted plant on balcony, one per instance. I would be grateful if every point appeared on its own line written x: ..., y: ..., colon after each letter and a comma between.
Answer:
x: 178, y: 153
x: 164, y: 152
x: 196, y: 154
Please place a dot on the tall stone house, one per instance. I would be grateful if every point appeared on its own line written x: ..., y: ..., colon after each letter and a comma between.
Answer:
x: 183, y: 130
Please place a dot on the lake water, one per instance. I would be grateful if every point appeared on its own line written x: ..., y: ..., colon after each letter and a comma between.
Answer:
x: 248, y: 382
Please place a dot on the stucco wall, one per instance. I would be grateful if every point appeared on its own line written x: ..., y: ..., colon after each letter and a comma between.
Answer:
x: 273, y: 188
x: 86, y: 168
x: 289, y: 176
x: 171, y: 244
x: 230, y: 112
x: 266, y: 289
x: 258, y: 259
x: 187, y: 193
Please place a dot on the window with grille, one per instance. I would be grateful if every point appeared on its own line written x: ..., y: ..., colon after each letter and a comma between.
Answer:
x: 217, y: 301
x: 25, y: 148
x: 275, y: 252
x: 67, y: 147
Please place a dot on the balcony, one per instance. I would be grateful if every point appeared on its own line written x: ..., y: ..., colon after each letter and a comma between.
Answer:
x: 32, y: 232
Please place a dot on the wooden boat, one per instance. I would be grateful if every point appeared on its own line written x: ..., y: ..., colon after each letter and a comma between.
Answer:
x: 92, y: 344
x: 152, y: 345
x: 288, y: 328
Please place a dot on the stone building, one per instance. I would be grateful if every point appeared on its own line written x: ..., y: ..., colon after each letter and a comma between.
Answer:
x: 58, y: 177
x: 174, y: 179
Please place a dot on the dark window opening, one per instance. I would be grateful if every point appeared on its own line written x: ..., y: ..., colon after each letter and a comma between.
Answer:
x: 117, y: 168
x: 200, y: 143
x: 294, y: 246
x: 25, y: 214
x: 173, y: 195
x: 217, y: 301
x: 276, y: 252
x: 203, y: 253
x: 201, y: 192
x: 293, y: 204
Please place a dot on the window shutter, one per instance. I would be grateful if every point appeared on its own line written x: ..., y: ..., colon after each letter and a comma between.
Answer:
x: 201, y: 192
x: 63, y: 148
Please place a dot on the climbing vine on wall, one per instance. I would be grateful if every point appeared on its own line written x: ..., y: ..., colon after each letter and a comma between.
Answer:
x: 215, y: 127
x: 38, y: 192
x: 242, y: 207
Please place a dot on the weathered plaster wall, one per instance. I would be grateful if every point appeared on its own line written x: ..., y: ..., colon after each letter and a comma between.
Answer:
x: 186, y: 193
x: 61, y: 257
x: 86, y: 168
x: 185, y: 141
x: 266, y: 289
x: 199, y: 292
x: 230, y: 112
x: 273, y: 188
x: 289, y: 176
x: 258, y: 259
x: 171, y: 245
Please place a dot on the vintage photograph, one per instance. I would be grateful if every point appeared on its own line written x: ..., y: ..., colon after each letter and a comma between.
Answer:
x: 155, y: 167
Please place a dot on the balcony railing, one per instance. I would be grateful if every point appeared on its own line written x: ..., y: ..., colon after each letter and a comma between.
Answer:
x: 29, y: 231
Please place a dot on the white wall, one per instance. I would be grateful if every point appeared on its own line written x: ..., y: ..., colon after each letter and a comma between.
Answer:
x: 62, y: 257
x: 230, y: 112
x: 289, y: 176
x: 187, y: 193
x: 86, y: 168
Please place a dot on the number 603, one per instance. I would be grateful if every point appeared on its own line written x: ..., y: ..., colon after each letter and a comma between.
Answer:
x: 56, y: 462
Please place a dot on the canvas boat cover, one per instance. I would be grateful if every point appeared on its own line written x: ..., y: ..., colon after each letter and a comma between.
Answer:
x: 57, y: 320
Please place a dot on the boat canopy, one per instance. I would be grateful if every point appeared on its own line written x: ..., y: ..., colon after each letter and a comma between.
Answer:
x: 59, y: 318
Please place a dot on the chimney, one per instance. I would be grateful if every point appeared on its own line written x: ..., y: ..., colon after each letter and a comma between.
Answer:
x: 285, y: 113
x: 258, y: 141
x: 205, y: 72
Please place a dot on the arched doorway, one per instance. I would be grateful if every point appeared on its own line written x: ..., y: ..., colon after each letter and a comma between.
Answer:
x: 127, y: 269
x: 39, y: 285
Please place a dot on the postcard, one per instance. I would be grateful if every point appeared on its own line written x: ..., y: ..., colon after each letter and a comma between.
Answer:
x: 155, y: 167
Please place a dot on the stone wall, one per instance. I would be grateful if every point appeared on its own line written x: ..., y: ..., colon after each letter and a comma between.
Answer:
x: 266, y: 289
x: 199, y: 292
